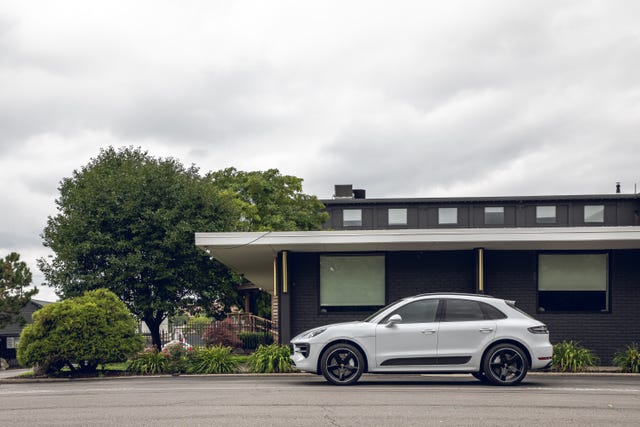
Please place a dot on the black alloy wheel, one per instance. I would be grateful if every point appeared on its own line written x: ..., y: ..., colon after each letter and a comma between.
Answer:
x: 505, y: 364
x: 342, y: 364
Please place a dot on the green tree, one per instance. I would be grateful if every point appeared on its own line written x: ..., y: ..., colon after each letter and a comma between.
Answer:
x: 15, y: 278
x: 80, y: 333
x: 270, y: 201
x: 126, y: 222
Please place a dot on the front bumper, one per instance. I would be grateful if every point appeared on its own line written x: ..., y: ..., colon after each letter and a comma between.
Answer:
x: 304, y: 357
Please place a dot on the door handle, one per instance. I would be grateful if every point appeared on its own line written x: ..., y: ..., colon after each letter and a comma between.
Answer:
x: 428, y: 331
x: 485, y: 330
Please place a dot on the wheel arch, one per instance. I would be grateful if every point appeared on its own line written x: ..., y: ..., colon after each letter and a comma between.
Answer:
x: 517, y: 343
x: 344, y: 341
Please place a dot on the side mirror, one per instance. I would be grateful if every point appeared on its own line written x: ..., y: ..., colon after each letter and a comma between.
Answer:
x: 396, y: 318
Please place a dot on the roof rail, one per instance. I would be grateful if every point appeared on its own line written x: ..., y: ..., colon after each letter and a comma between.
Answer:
x: 454, y: 293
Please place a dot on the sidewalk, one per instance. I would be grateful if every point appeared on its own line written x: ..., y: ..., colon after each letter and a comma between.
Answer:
x: 10, y: 373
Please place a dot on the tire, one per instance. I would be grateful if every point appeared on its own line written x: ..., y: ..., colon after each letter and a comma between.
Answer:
x: 342, y: 364
x: 480, y: 376
x: 505, y: 365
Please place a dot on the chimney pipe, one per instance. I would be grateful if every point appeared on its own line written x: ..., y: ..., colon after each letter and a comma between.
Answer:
x: 618, y: 187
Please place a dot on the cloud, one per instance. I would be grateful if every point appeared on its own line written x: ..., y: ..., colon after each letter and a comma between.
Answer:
x: 410, y: 99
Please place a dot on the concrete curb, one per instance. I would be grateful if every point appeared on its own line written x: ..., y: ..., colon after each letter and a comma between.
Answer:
x: 16, y: 380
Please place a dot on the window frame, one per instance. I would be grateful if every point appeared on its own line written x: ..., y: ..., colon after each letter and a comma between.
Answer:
x: 588, y: 221
x: 344, y: 219
x: 541, y: 219
x: 397, y: 224
x: 501, y: 211
x: 351, y: 308
x: 448, y: 209
x: 608, y: 276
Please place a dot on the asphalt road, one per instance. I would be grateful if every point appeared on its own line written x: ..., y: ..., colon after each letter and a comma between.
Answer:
x: 306, y: 400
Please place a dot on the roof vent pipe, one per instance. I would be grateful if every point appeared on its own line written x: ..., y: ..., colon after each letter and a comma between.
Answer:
x: 618, y: 187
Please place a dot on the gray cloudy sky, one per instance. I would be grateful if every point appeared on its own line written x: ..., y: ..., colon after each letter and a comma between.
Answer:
x: 402, y: 98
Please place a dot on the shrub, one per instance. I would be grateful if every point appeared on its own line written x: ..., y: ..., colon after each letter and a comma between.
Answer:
x: 271, y: 358
x: 214, y: 360
x: 149, y: 362
x: 252, y: 340
x: 628, y: 359
x: 222, y: 333
x: 80, y: 333
x: 570, y: 356
x: 177, y: 357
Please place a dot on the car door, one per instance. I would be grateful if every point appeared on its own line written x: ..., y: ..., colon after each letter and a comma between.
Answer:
x: 464, y: 332
x: 412, y: 342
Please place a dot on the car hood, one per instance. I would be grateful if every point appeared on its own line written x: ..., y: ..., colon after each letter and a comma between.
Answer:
x: 353, y: 329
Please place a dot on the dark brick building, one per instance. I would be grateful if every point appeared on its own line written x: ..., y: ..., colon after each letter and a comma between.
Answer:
x: 571, y: 261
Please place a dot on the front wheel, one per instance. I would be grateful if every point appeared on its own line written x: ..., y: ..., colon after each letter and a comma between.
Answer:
x: 505, y: 364
x: 342, y: 364
x: 480, y: 376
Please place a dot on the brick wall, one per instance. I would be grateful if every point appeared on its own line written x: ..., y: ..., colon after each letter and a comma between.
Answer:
x: 508, y: 274
x: 408, y: 273
x: 512, y: 275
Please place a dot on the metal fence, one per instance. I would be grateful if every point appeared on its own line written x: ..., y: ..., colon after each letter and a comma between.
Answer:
x: 227, y: 331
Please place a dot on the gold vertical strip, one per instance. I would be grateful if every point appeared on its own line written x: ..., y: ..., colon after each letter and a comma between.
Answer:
x: 285, y: 275
x: 481, y: 270
x: 275, y: 275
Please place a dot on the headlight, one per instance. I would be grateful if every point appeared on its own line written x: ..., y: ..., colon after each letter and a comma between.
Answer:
x: 314, y: 333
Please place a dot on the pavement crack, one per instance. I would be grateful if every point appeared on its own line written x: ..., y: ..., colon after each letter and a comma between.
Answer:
x: 329, y: 416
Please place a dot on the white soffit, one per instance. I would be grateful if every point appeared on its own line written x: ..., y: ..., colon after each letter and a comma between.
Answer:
x: 252, y: 254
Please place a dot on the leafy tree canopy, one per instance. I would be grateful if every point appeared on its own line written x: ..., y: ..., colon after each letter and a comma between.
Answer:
x: 126, y: 222
x: 80, y: 333
x: 270, y: 201
x: 15, y: 278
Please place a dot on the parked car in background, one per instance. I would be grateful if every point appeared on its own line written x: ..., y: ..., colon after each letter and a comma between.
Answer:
x: 430, y: 333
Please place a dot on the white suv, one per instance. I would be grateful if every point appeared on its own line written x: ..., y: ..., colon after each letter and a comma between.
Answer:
x: 431, y: 333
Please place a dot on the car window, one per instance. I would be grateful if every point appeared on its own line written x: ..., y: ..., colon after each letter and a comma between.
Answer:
x: 460, y: 310
x: 421, y: 311
x: 490, y: 312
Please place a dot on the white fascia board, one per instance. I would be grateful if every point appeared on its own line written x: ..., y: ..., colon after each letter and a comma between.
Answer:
x: 252, y: 253
x: 509, y: 238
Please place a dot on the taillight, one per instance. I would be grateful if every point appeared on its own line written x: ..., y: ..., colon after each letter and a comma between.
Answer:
x: 538, y: 329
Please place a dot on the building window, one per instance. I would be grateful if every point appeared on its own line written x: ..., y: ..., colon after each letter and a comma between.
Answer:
x: 447, y: 215
x: 573, y: 282
x: 594, y: 213
x: 352, y: 217
x: 12, y: 342
x: 545, y: 214
x: 352, y: 282
x: 397, y: 216
x: 494, y: 215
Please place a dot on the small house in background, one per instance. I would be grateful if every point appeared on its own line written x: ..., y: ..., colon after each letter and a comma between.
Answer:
x: 10, y: 334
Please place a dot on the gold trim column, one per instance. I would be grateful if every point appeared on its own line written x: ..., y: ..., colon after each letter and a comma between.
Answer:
x: 275, y: 275
x: 285, y: 275
x: 480, y: 271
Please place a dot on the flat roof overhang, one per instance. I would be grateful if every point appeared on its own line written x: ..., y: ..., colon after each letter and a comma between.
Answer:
x: 252, y: 253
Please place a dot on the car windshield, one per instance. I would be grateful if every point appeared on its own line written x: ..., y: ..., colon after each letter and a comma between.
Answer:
x: 372, y: 316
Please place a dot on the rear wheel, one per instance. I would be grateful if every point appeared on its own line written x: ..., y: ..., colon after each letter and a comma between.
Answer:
x: 342, y: 364
x: 505, y: 364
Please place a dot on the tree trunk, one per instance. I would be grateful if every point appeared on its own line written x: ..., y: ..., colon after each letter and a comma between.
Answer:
x: 153, y: 323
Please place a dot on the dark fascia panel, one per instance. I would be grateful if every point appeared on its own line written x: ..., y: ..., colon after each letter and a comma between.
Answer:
x: 493, y: 200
